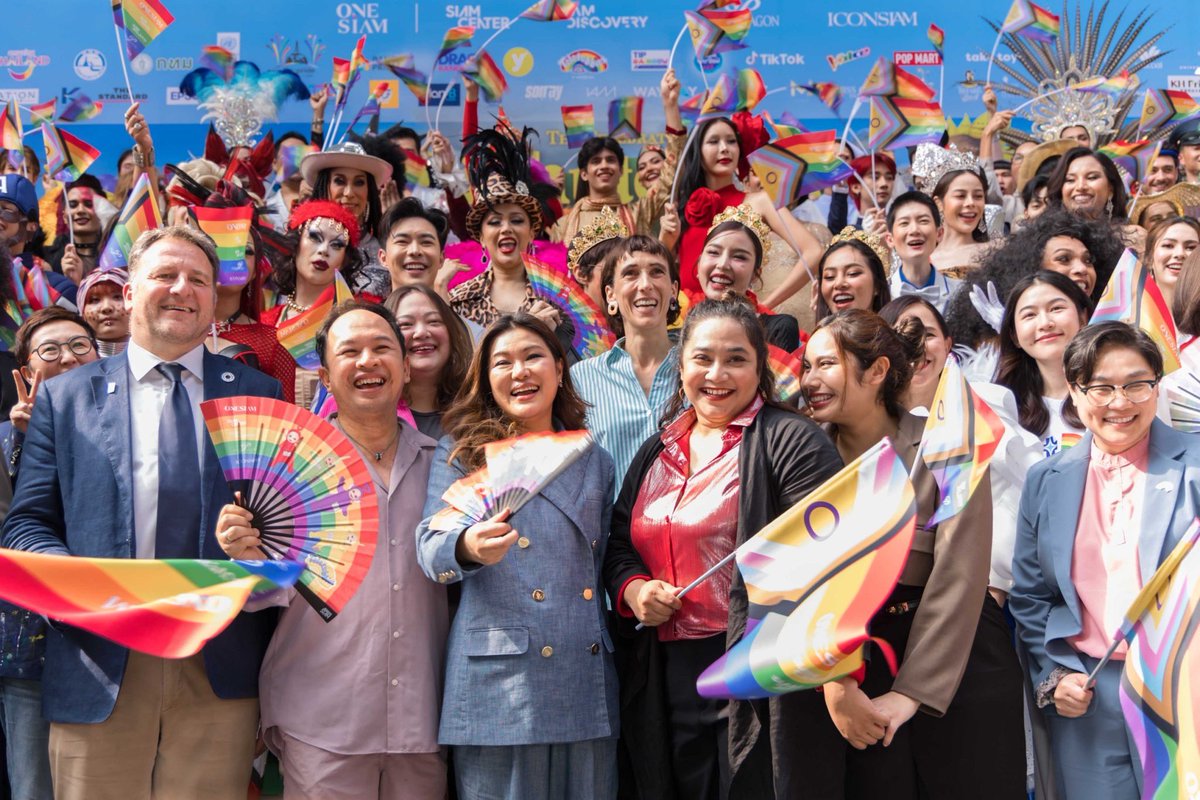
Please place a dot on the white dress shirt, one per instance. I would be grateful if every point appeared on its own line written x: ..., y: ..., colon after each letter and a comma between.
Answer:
x: 149, y: 392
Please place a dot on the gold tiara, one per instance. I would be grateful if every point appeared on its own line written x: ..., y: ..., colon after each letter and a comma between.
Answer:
x: 750, y: 219
x: 872, y: 241
x: 607, y: 226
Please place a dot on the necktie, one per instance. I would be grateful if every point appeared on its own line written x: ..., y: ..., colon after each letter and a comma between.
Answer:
x: 178, y: 534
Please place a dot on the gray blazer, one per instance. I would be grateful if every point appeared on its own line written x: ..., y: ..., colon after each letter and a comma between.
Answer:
x: 1043, y: 598
x: 530, y: 658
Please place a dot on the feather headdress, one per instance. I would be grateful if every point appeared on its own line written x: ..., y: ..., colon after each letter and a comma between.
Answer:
x: 498, y: 168
x: 239, y: 106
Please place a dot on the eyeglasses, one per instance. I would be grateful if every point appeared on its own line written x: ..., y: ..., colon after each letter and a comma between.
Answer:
x: 52, y: 351
x: 1101, y: 394
x: 10, y: 215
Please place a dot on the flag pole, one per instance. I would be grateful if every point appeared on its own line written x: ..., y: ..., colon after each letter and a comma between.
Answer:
x: 711, y: 571
x: 992, y: 58
x: 121, y: 56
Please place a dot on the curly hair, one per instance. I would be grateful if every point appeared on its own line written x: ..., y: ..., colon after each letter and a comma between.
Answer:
x: 881, y: 295
x: 476, y: 419
x: 283, y: 275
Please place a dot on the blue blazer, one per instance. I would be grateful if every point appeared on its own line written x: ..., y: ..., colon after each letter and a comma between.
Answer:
x: 530, y: 659
x: 1043, y: 598
x: 74, y: 496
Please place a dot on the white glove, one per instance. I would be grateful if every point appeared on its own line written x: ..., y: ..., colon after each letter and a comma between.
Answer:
x: 988, y: 305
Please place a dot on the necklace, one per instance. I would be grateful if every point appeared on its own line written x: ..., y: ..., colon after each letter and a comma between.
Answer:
x: 290, y: 301
x: 377, y: 453
x: 225, y: 325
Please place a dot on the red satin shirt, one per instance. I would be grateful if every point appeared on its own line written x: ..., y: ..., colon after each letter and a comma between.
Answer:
x: 684, y: 524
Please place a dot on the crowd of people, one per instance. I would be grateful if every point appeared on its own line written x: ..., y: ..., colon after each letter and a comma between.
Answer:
x: 546, y: 653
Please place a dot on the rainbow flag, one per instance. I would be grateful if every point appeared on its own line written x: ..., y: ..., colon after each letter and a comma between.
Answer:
x: 579, y: 123
x: 717, y: 31
x: 1133, y: 297
x: 139, y: 214
x: 625, y: 117
x: 1134, y: 157
x: 10, y: 128
x: 550, y: 10
x: 341, y: 71
x: 1161, y: 106
x: 829, y: 93
x: 784, y: 128
x: 229, y: 228
x: 1113, y: 87
x: 414, y: 80
x: 961, y: 435
x: 904, y: 122
x: 416, y: 169
x: 815, y: 577
x: 290, y: 154
x: 735, y: 93
x: 798, y: 165
x: 455, y: 38
x: 888, y: 80
x: 691, y: 107
x: 218, y: 59
x: 142, y: 21
x: 371, y: 107
x: 750, y: 89
x: 80, y: 108
x: 298, y: 334
x: 168, y: 609
x: 592, y: 336
x: 43, y: 112
x: 1030, y: 21
x: 358, y: 61
x: 1160, y: 685
x: 484, y: 73
x: 787, y: 368
x: 937, y: 37
x: 67, y: 156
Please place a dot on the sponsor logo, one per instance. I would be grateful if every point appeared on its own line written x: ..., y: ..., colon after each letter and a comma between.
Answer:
x: 25, y: 97
x: 288, y: 55
x: 1184, y: 83
x: 178, y: 98
x: 841, y: 59
x: 142, y: 64
x: 872, y: 19
x: 759, y: 20
x: 21, y: 58
x: 90, y: 64
x: 980, y: 57
x: 474, y: 16
x: 544, y: 91
x: 580, y: 62
x: 710, y: 63
x: 1156, y: 53
x: 231, y: 41
x: 649, y: 59
x: 518, y: 62
x: 756, y: 59
x: 391, y: 96
x: 602, y: 91
x: 585, y: 17
x: 359, y: 18
x: 174, y: 64
x: 120, y: 94
x: 454, y: 61
x: 453, y: 98
x: 917, y: 58
x: 645, y: 91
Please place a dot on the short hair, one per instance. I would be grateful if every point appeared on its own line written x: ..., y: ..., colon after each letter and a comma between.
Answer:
x: 913, y: 198
x: 290, y: 135
x: 180, y: 233
x: 408, y: 208
x: 637, y: 243
x: 402, y: 131
x: 1081, y: 355
x: 22, y: 345
x: 322, y: 337
x: 84, y: 181
x: 593, y: 146
x: 1039, y: 181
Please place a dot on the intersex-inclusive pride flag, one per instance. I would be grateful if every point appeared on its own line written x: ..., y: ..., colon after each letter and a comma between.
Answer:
x: 481, y: 70
x: 550, y: 10
x: 229, y: 228
x: 142, y: 21
x: 717, y: 31
x: 888, y: 80
x: 815, y: 577
x: 1030, y: 21
x: 690, y: 108
x: 1133, y: 297
x: 67, y: 156
x: 579, y: 124
x: 1161, y: 106
x: 735, y: 92
x: 1113, y: 87
x: 1160, y: 686
x: 960, y: 437
x: 298, y: 335
x: 168, y: 609
x: 139, y: 214
x: 904, y: 122
x: 798, y: 165
x: 10, y: 127
x: 625, y: 117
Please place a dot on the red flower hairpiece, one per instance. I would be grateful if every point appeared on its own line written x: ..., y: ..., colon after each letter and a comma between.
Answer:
x: 312, y: 209
x: 752, y: 134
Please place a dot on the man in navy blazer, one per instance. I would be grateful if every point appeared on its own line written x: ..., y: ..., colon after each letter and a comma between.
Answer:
x: 98, y: 457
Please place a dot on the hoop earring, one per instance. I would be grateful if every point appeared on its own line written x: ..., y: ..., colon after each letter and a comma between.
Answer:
x: 673, y: 306
x: 612, y: 309
x: 484, y: 258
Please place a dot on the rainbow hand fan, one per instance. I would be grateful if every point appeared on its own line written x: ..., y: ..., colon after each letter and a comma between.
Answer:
x: 1184, y: 400
x: 592, y: 336
x: 786, y: 367
x: 312, y: 497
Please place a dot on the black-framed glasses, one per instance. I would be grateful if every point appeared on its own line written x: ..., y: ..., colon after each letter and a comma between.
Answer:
x: 52, y: 351
x: 10, y: 215
x: 1101, y: 394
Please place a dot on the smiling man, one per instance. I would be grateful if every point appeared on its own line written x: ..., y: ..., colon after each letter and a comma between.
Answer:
x: 413, y: 238
x: 601, y: 168
x: 116, y: 465
x: 914, y: 230
x: 84, y: 198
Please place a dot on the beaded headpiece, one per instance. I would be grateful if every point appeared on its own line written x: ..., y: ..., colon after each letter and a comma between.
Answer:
x: 932, y: 163
x: 239, y: 102
x: 749, y: 218
x: 607, y: 226
x: 872, y: 241
x: 345, y: 223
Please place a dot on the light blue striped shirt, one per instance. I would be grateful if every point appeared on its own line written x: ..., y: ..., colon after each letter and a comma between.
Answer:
x: 620, y: 415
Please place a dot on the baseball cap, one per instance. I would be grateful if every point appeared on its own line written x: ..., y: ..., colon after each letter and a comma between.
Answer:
x: 17, y: 190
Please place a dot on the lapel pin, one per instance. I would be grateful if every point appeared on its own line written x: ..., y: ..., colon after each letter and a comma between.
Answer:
x: 227, y: 377
x: 112, y: 388
x: 1163, y: 486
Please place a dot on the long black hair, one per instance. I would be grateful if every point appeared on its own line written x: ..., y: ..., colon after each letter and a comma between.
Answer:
x: 1058, y: 179
x: 691, y: 168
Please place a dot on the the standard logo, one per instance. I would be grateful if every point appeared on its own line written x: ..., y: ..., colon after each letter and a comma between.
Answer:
x: 90, y: 64
x: 841, y: 59
x: 872, y: 19
x: 474, y: 16
x: 583, y: 62
x: 518, y: 62
x: 642, y: 60
x: 585, y: 18
x: 142, y: 65
x: 543, y: 91
x: 178, y: 98
x: 359, y: 18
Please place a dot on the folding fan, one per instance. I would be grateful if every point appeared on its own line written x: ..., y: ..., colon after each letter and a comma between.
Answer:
x: 786, y: 367
x: 312, y: 497
x: 1185, y: 404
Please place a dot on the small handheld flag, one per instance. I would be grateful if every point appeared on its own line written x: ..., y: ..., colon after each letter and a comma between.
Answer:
x: 1133, y: 297
x: 625, y: 117
x: 483, y: 72
x: 80, y: 108
x: 139, y: 214
x: 579, y: 124
x: 229, y: 228
x: 142, y: 21
x: 904, y: 122
x: 550, y: 10
x: 1031, y: 21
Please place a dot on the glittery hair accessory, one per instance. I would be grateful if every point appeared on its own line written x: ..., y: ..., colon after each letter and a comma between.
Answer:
x: 303, y: 215
x: 881, y: 250
x: 932, y: 163
x: 607, y: 226
x: 239, y: 104
x: 748, y: 218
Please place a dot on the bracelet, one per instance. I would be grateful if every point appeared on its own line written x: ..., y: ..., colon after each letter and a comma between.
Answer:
x: 143, y: 160
x: 675, y: 131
